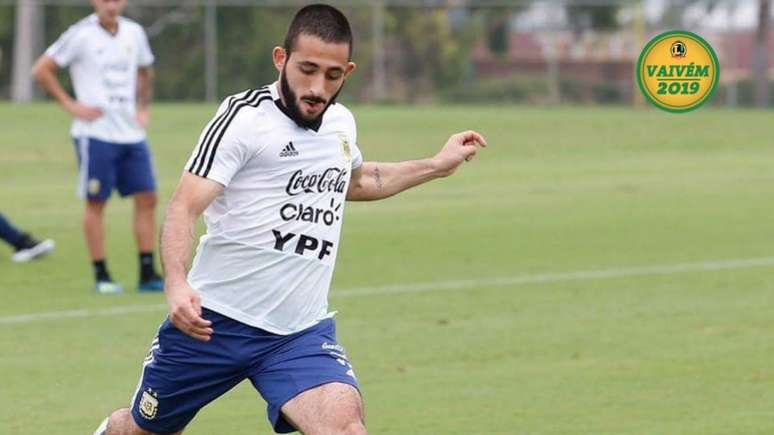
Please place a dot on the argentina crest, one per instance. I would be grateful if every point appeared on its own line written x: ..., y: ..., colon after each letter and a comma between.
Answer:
x: 678, y: 71
x: 345, y: 146
x: 149, y: 404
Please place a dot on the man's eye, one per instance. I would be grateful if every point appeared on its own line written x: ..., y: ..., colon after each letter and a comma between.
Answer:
x: 307, y: 71
x: 334, y: 76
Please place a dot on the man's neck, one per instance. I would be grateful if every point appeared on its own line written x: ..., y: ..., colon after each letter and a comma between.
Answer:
x: 285, y: 108
x: 110, y: 25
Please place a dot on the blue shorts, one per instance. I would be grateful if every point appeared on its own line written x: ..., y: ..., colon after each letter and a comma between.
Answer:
x: 104, y: 166
x: 181, y: 375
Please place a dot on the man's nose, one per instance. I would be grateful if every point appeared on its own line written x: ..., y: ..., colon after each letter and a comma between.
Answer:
x: 317, y: 86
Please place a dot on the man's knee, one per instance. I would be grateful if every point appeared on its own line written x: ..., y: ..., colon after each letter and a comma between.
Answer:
x: 348, y: 420
x: 122, y: 423
x: 354, y: 428
x: 146, y: 200
x: 333, y: 408
x: 94, y: 207
x: 348, y: 427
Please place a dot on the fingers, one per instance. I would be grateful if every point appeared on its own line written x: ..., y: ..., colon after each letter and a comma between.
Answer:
x: 198, y: 326
x: 471, y: 137
x: 90, y: 113
x: 188, y: 319
x: 470, y: 152
x: 198, y: 332
x: 197, y: 321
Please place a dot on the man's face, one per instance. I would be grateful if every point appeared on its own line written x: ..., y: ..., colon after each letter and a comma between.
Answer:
x: 108, y: 10
x: 312, y: 75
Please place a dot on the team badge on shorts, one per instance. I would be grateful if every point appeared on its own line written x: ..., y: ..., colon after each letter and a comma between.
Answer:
x: 678, y: 71
x: 149, y: 404
x: 94, y: 186
x: 345, y: 146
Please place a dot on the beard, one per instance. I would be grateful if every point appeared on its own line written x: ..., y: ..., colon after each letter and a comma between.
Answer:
x: 291, y: 104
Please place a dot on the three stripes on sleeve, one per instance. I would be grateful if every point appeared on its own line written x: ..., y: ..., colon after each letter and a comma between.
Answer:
x: 209, y: 141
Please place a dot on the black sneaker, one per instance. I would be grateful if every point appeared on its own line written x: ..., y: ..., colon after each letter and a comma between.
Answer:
x: 153, y: 284
x: 29, y: 249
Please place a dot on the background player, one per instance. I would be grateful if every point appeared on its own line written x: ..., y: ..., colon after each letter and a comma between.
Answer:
x: 110, y: 65
x: 26, y: 247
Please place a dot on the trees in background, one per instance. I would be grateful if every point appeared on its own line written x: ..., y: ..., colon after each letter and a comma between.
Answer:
x: 426, y: 51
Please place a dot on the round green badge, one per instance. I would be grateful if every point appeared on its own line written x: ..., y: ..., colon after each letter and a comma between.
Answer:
x: 678, y: 71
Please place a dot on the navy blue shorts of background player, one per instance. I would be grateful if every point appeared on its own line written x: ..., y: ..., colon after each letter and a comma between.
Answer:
x: 104, y: 166
x: 181, y: 375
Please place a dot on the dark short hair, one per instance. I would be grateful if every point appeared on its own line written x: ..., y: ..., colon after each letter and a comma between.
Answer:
x: 322, y: 21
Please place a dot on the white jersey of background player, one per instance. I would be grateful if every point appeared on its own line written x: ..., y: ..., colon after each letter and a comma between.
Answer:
x: 103, y: 69
x: 270, y: 215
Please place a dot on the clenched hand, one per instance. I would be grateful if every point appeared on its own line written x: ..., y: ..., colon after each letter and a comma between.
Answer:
x: 459, y: 148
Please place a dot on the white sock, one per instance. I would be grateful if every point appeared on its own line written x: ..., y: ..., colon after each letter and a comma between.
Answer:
x: 102, y: 429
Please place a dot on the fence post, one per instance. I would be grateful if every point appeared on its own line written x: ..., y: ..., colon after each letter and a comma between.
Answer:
x: 211, y: 50
x: 27, y: 44
x: 732, y: 94
x: 761, y: 51
x: 377, y: 41
x: 552, y: 69
x: 638, y: 29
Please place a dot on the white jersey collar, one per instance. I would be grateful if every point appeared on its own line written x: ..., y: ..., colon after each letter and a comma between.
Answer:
x: 94, y: 19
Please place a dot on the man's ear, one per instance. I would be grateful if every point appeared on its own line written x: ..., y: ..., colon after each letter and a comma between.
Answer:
x: 351, y: 66
x: 280, y: 57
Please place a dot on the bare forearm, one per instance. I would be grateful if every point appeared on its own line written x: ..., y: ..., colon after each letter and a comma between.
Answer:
x: 380, y: 180
x: 50, y: 83
x: 144, y: 87
x: 176, y: 243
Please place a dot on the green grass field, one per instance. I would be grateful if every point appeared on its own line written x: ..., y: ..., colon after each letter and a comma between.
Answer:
x: 457, y: 301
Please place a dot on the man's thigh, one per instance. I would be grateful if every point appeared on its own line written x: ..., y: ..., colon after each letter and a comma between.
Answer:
x: 334, y: 408
x: 96, y: 168
x: 181, y: 375
x: 305, y: 365
x: 135, y: 173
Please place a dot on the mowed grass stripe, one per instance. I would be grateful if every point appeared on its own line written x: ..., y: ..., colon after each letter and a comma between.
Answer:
x: 466, y: 284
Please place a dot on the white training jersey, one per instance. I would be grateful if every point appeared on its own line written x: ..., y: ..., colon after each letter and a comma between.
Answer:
x: 103, y: 69
x: 268, y: 255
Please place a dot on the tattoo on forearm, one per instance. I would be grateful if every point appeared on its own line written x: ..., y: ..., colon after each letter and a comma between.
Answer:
x: 378, y: 178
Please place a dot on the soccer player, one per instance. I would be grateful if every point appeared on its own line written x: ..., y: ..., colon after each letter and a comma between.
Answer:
x: 25, y: 246
x: 271, y: 172
x: 110, y: 64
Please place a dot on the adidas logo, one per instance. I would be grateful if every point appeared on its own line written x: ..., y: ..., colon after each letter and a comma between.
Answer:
x: 289, y: 150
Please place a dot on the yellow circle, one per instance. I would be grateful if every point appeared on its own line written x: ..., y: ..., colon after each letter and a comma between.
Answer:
x: 678, y: 81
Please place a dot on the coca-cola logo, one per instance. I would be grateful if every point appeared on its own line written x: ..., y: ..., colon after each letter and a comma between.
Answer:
x: 330, y: 180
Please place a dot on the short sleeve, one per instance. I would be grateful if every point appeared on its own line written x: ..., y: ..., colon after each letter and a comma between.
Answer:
x: 145, y: 55
x: 65, y: 49
x: 220, y: 153
x: 357, y: 155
